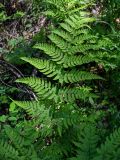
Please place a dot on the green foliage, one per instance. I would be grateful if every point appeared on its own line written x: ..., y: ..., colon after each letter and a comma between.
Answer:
x: 64, y: 120
x: 87, y: 143
x: 16, y: 146
x: 111, y: 11
x: 18, y: 47
x: 88, y: 147
x: 63, y: 82
x: 19, y: 143
x: 110, y: 149
x: 64, y: 56
x: 4, y: 17
x: 59, y: 10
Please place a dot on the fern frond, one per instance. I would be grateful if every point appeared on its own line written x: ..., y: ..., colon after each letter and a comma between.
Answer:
x: 40, y: 115
x: 7, y: 151
x: 16, y: 139
x: 87, y: 143
x: 23, y: 145
x: 67, y: 28
x: 110, y: 150
x: 59, y: 10
x: 68, y: 49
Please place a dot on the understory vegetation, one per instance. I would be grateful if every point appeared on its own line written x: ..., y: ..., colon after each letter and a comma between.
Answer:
x: 59, y: 80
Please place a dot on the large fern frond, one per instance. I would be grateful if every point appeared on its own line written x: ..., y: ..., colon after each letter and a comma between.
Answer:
x: 67, y: 51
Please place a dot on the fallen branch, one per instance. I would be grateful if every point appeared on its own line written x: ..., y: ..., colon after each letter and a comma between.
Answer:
x: 18, y: 74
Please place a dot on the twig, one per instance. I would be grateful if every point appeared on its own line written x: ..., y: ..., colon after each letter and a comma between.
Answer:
x: 18, y: 74
x: 11, y: 68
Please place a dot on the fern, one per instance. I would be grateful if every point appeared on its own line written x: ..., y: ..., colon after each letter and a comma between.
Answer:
x: 41, y: 87
x: 17, y: 147
x: 56, y: 126
x: 7, y: 151
x: 63, y: 79
x: 110, y: 150
x: 87, y: 143
x: 84, y: 136
x: 64, y: 58
x: 62, y: 84
x: 59, y: 10
x: 18, y: 141
x: 88, y: 148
